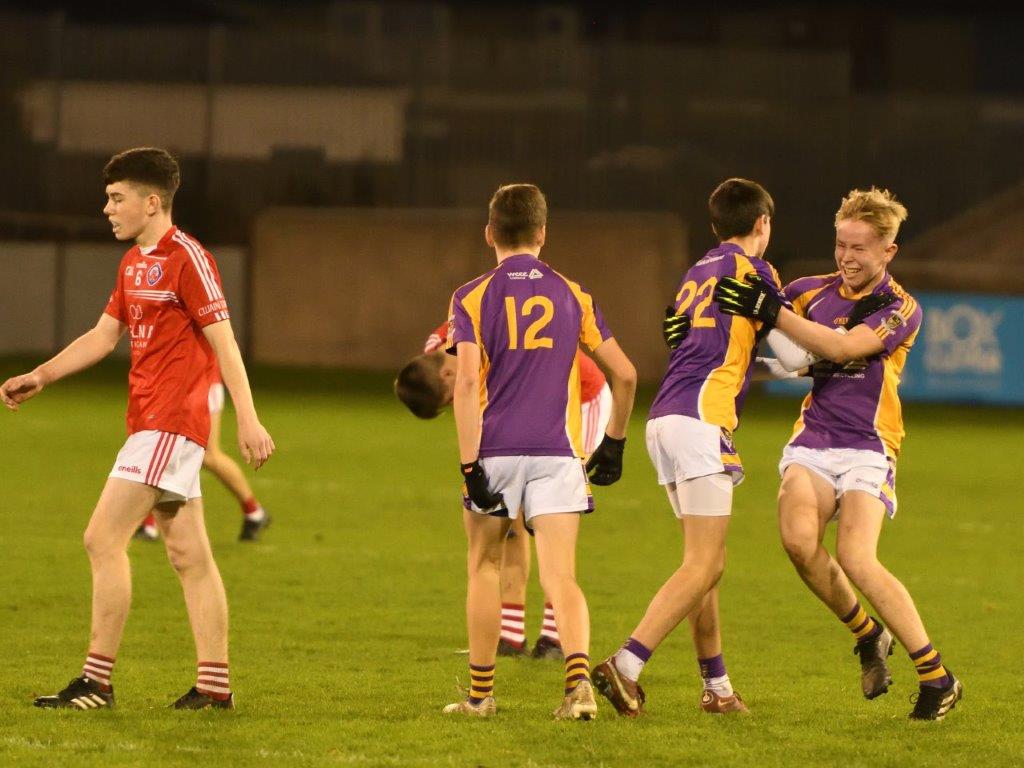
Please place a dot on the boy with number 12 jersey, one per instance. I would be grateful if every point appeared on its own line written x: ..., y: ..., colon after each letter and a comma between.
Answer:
x: 515, y: 331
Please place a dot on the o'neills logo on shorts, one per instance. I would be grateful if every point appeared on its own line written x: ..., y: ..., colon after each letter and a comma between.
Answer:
x: 130, y: 470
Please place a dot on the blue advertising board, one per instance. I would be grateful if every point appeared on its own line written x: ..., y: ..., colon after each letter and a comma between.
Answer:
x: 970, y: 349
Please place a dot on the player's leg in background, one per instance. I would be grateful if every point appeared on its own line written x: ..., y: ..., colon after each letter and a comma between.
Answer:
x: 123, y: 504
x: 515, y: 571
x: 806, y: 504
x: 860, y: 525
x: 230, y: 474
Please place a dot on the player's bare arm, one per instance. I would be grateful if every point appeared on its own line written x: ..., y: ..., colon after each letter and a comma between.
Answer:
x: 85, y: 351
x: 254, y: 441
x: 467, y: 400
x: 621, y: 375
x: 823, y: 341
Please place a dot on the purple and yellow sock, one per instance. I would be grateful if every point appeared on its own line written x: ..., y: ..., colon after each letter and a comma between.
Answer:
x: 862, y: 625
x: 481, y: 683
x: 577, y: 669
x: 930, y: 671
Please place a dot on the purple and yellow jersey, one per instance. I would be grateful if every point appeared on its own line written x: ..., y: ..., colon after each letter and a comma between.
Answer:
x: 528, y: 321
x: 709, y: 373
x: 857, y: 407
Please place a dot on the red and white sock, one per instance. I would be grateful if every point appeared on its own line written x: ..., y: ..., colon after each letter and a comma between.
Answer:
x: 513, y: 624
x: 212, y: 680
x: 549, y: 629
x: 98, y: 669
x: 252, y: 509
x: 150, y: 523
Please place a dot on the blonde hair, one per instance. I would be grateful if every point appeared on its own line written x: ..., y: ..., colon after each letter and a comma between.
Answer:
x: 878, y: 207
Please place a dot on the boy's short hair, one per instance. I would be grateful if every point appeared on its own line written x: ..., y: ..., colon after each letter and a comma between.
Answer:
x: 516, y: 214
x: 877, y: 207
x: 419, y: 385
x: 735, y: 206
x: 146, y: 166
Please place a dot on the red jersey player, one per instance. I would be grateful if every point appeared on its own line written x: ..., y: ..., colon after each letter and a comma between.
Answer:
x: 426, y: 385
x: 169, y: 298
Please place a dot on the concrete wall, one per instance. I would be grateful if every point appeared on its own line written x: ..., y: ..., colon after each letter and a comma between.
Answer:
x: 348, y: 124
x: 364, y: 288
x: 52, y: 293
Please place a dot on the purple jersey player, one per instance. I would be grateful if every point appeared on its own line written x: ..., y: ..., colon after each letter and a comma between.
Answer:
x: 689, y: 438
x: 841, y: 461
x: 515, y: 331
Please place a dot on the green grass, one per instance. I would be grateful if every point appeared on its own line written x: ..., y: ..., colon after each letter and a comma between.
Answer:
x: 345, y: 620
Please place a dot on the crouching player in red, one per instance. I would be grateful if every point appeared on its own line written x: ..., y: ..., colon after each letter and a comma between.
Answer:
x: 426, y: 385
x: 168, y: 297
x: 840, y: 462
x: 515, y: 331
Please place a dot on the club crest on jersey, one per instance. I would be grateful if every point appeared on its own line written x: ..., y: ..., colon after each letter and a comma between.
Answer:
x: 894, y: 321
x: 154, y: 274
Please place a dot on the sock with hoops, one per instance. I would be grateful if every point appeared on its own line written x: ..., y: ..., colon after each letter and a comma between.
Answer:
x: 98, y: 668
x: 549, y: 629
x: 863, y: 626
x: 930, y: 671
x: 513, y: 624
x: 481, y: 683
x: 212, y: 679
x: 577, y: 669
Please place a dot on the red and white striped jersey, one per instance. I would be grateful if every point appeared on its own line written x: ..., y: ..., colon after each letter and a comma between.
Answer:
x: 166, y: 296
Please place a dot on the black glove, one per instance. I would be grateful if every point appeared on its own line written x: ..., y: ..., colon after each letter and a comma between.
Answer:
x: 868, y: 305
x: 476, y: 486
x: 605, y: 464
x: 674, y: 328
x: 752, y: 298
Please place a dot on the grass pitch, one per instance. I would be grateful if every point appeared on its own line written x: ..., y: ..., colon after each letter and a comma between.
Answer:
x: 346, y: 618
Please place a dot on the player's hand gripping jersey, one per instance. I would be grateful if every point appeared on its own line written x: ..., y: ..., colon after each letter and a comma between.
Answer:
x: 528, y: 321
x: 165, y: 297
x: 856, y: 407
x: 709, y: 372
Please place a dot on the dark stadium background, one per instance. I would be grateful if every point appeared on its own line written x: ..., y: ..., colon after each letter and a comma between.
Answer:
x: 337, y: 161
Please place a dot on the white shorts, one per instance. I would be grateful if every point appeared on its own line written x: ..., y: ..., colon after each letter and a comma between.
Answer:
x: 216, y: 398
x: 847, y: 469
x: 682, y: 448
x: 537, y: 485
x: 596, y: 414
x: 164, y: 460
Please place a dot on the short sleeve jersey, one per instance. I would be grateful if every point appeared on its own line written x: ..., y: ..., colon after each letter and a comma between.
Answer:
x: 166, y: 296
x: 592, y: 381
x: 528, y: 321
x: 856, y: 407
x: 709, y: 373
